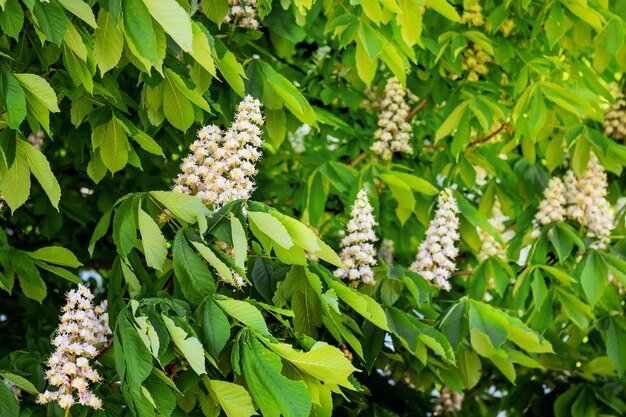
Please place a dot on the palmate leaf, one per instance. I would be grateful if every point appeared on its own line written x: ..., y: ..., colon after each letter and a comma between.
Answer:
x: 190, y: 346
x: 233, y: 398
x: 275, y: 395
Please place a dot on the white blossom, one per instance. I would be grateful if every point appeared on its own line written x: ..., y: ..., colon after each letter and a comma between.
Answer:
x: 221, y: 166
x: 82, y: 327
x: 552, y: 207
x: 242, y: 13
x: 394, y: 132
x: 358, y: 252
x: 587, y: 203
x: 615, y: 115
x: 490, y: 247
x: 436, y: 254
x: 297, y: 138
x: 448, y: 402
x: 36, y: 139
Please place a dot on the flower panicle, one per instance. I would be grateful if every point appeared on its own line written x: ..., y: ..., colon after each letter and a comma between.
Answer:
x: 435, y: 260
x: 358, y: 253
x: 221, y: 165
x: 82, y: 326
x: 394, y: 131
x: 242, y: 13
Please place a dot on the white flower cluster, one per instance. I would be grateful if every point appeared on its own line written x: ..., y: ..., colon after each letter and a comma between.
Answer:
x: 615, y: 116
x: 385, y: 253
x: 490, y: 247
x: 242, y: 13
x: 358, y: 253
x: 587, y: 203
x: 297, y: 138
x: 221, y: 165
x: 317, y: 57
x: 82, y: 327
x: 237, y: 280
x: 475, y: 63
x: 448, y: 402
x: 473, y: 15
x: 436, y: 255
x: 394, y: 131
x: 36, y: 140
x: 552, y: 207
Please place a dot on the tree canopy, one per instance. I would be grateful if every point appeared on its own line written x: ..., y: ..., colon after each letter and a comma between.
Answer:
x: 312, y: 208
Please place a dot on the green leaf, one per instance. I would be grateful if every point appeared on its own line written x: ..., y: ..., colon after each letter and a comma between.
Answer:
x: 81, y: 10
x: 176, y: 106
x: 154, y: 244
x: 616, y: 346
x: 324, y: 362
x: 192, y: 274
x: 361, y: 303
x: 134, y: 353
x: 294, y: 100
x: 410, y: 21
x: 15, y: 184
x: 138, y: 29
x: 147, y: 143
x: 576, y: 310
x: 202, y: 50
x: 240, y: 243
x: 177, y: 82
x: 9, y: 407
x: 444, y: 8
x: 56, y: 255
x: 40, y: 168
x: 101, y: 228
x: 222, y: 269
x: 12, y: 18
x: 455, y: 324
x: 174, y: 20
x: 125, y: 227
x: 275, y: 395
x: 594, y: 277
x: 30, y: 280
x: 215, y: 10
x: 411, y: 332
x: 109, y: 43
x: 233, y: 398
x: 230, y: 69
x: 189, y: 346
x: 244, y: 312
x: 14, y: 100
x: 38, y: 88
x: 272, y: 227
x: 185, y: 207
x: 63, y: 273
x: 20, y: 382
x: 585, y: 404
x: 114, y: 149
x: 452, y: 121
x: 305, y: 300
x: 366, y: 69
x: 215, y: 329
x: 51, y: 20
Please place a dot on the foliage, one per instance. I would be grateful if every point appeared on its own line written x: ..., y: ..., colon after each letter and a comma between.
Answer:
x: 502, y: 96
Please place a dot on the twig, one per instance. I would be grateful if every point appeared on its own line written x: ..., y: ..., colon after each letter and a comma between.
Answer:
x: 417, y: 108
x: 358, y: 159
x: 462, y: 273
x: 489, y: 136
x: 433, y: 145
x: 107, y: 345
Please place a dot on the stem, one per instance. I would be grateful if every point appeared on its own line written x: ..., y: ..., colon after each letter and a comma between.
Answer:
x: 67, y: 411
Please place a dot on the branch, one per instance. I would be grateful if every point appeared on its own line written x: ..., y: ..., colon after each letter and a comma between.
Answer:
x: 107, y: 345
x: 489, y: 136
x: 417, y: 108
x: 358, y: 159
